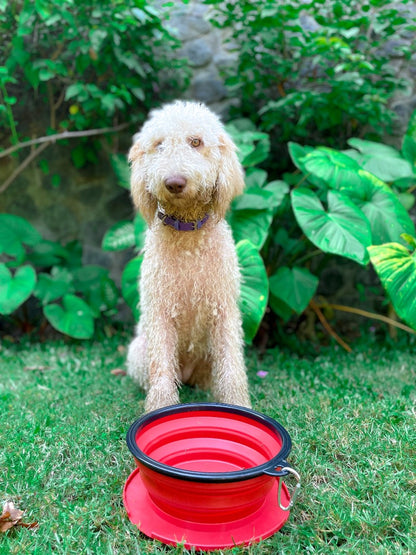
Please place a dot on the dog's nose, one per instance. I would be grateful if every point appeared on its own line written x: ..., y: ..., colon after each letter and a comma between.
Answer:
x: 175, y: 184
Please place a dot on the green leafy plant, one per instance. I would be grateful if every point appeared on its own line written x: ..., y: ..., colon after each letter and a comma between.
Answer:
x: 72, y: 296
x: 82, y: 68
x: 89, y: 60
x: 332, y: 205
x: 317, y: 71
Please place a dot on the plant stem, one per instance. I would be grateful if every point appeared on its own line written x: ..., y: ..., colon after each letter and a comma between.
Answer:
x: 367, y: 314
x: 12, y: 123
x: 328, y: 328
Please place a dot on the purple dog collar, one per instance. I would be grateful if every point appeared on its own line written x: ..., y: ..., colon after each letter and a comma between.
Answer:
x: 180, y: 225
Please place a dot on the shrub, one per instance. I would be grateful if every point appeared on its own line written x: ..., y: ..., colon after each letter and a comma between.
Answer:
x: 319, y: 71
x: 352, y: 204
x: 85, y: 63
x: 72, y: 296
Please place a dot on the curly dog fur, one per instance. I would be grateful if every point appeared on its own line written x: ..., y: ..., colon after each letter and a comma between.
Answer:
x: 184, y: 167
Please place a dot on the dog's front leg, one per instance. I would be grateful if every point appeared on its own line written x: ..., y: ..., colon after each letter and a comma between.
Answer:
x: 162, y: 365
x: 229, y: 378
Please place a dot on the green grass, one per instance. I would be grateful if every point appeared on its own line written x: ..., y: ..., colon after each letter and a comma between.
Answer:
x: 352, y: 419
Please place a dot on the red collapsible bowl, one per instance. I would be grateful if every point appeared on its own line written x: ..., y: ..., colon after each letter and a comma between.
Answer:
x: 208, y: 475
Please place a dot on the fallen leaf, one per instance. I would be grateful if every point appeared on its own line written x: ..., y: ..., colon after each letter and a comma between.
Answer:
x: 118, y: 372
x: 121, y: 349
x: 12, y: 517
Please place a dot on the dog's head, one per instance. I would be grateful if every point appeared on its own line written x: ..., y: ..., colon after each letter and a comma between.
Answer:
x: 184, y: 161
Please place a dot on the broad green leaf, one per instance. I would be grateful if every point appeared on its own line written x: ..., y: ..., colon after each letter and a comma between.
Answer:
x: 342, y: 229
x: 119, y: 237
x: 332, y: 166
x: 140, y: 228
x: 86, y: 276
x: 258, y: 199
x: 49, y: 287
x: 15, y: 232
x: 46, y: 254
x: 122, y: 170
x: 254, y: 288
x: 255, y: 177
x: 74, y: 90
x: 99, y: 290
x: 409, y: 142
x: 252, y: 225
x: 294, y: 286
x: 110, y: 293
x: 73, y: 254
x: 103, y: 297
x: 130, y: 284
x: 279, y: 189
x: 253, y: 146
x: 298, y: 153
x: 258, y: 154
x: 15, y: 289
x: 280, y: 307
x: 74, y: 318
x: 387, y: 216
x: 376, y: 149
x: 396, y: 268
x: 384, y: 161
x: 407, y: 200
x: 409, y: 240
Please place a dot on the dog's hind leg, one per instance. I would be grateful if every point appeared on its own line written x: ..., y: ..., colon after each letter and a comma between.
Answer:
x: 137, y: 367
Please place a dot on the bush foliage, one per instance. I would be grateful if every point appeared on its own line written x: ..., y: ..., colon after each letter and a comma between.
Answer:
x: 83, y: 64
x: 320, y: 70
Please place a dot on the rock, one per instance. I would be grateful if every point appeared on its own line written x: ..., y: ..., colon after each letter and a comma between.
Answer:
x: 198, y: 52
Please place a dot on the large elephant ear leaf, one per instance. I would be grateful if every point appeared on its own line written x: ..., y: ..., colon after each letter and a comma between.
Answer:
x: 74, y: 318
x: 295, y: 287
x: 341, y: 229
x: 130, y: 284
x: 409, y: 142
x: 15, y: 232
x: 15, y: 289
x: 396, y: 268
x: 387, y: 216
x: 254, y: 288
x: 332, y: 166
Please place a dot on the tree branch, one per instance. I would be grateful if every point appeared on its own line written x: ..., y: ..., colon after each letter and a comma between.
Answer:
x: 22, y: 166
x: 65, y: 135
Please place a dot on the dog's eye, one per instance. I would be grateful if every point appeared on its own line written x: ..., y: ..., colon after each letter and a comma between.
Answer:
x: 195, y: 142
x: 158, y: 145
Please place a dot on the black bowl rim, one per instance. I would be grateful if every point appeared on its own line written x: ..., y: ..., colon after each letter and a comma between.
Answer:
x: 269, y: 467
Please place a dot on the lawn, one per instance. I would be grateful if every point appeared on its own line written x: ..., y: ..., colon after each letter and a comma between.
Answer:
x: 352, y: 419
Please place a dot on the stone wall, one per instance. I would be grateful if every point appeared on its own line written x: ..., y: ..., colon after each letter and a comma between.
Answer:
x: 208, y: 53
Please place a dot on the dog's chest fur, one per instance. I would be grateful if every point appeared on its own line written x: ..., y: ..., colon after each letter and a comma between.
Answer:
x: 187, y: 279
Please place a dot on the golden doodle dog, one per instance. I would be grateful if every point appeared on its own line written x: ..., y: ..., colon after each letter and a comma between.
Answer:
x: 184, y: 174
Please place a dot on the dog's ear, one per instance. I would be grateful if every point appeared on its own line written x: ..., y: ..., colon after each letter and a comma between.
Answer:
x: 143, y: 200
x: 230, y: 180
